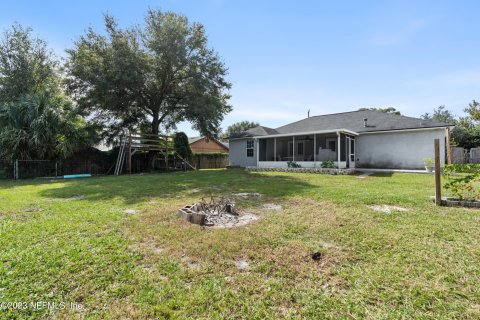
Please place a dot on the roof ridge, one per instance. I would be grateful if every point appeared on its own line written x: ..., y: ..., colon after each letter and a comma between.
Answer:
x: 331, y: 114
x: 328, y: 114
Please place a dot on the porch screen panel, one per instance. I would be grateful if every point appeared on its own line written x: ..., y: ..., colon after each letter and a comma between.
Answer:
x: 262, y: 156
x: 343, y: 147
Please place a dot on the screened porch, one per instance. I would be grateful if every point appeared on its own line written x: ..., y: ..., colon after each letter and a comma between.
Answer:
x: 307, y: 150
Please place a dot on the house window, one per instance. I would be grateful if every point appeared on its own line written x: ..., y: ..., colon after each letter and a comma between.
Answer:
x: 250, y: 145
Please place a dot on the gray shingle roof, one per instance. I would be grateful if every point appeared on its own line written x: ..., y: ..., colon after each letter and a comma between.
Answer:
x: 226, y: 144
x: 257, y: 131
x: 376, y: 121
x: 354, y: 121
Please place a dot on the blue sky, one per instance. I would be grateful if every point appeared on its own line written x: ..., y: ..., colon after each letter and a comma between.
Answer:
x: 286, y: 57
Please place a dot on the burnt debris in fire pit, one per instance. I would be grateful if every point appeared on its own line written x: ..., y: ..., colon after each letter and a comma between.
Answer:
x: 215, y: 212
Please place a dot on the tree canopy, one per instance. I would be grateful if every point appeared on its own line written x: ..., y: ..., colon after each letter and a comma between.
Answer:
x: 466, y: 132
x: 149, y: 77
x: 36, y: 120
x: 181, y: 145
x: 41, y: 126
x: 239, y: 127
x: 27, y: 66
x: 384, y: 110
x: 440, y: 114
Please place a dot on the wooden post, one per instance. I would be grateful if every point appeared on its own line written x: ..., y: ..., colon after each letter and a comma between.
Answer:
x: 438, y: 186
x: 314, y: 150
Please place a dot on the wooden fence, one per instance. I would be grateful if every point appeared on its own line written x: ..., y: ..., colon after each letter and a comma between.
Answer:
x: 210, y: 160
x: 461, y: 155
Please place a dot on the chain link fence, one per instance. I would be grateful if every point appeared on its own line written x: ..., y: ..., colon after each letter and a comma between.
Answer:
x: 4, y: 169
x: 28, y: 169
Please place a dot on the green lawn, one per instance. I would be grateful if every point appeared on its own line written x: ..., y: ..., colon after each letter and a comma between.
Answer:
x: 71, y: 242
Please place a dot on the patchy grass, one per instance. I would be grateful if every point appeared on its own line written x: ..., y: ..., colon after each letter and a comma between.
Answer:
x: 72, y: 241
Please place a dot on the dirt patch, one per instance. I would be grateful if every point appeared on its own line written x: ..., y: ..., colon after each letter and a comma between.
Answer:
x: 387, y: 208
x: 242, y: 264
x: 240, y: 221
x: 32, y: 209
x: 79, y: 197
x: 364, y: 175
x: 189, y: 263
x: 149, y: 246
x: 328, y: 245
x: 247, y: 194
x: 158, y: 250
x: 272, y: 206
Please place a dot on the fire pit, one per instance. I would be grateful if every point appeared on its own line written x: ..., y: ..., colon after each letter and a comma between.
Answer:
x: 215, y: 212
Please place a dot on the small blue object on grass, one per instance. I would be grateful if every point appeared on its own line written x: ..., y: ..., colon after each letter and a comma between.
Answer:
x: 73, y: 176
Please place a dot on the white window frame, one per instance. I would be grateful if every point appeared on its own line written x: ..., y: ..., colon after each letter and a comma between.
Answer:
x: 252, y: 147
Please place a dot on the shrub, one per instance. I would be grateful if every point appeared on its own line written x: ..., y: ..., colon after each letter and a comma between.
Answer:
x: 428, y: 162
x: 293, y: 164
x: 463, y: 180
x: 181, y: 145
x: 327, y: 164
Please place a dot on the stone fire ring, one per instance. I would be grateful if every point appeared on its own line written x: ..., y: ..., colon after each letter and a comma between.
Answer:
x: 192, y: 214
x: 225, y: 218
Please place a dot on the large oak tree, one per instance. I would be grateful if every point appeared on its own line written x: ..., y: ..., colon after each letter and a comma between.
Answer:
x: 27, y: 66
x: 141, y: 78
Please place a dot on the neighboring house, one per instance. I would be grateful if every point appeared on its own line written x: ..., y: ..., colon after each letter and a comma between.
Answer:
x: 207, y: 145
x: 362, y: 139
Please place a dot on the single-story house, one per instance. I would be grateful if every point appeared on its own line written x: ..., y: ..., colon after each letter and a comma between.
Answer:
x: 207, y: 145
x: 361, y: 139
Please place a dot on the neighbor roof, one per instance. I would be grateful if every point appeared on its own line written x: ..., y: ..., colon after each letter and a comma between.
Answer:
x: 354, y: 121
x: 195, y: 139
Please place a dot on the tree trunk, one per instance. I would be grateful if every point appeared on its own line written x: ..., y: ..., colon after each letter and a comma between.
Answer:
x: 151, y: 154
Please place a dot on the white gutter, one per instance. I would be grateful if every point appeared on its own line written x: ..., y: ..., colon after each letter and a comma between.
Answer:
x: 398, y: 130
